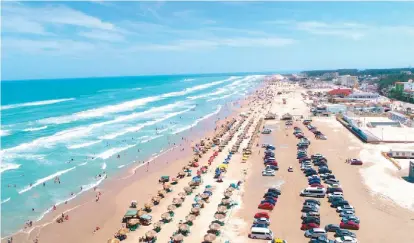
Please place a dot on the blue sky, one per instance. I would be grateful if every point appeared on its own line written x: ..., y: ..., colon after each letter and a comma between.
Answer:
x: 86, y: 39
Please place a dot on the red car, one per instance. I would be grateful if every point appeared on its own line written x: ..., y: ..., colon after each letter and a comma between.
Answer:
x: 261, y: 215
x: 349, y: 225
x: 316, y: 185
x: 309, y: 226
x: 266, y: 205
x: 272, y: 163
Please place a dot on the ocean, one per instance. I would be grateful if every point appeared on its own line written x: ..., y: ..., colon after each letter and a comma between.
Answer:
x: 76, y: 129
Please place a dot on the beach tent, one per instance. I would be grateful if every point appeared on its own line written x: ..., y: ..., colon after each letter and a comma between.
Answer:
x: 223, y: 166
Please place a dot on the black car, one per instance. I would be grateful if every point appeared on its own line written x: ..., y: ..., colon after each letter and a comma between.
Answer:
x: 309, y: 208
x: 344, y: 232
x: 274, y: 190
x: 272, y: 167
x: 309, y: 220
x: 332, y: 228
x: 312, y: 201
x: 270, y: 194
x: 339, y: 203
x: 321, y: 239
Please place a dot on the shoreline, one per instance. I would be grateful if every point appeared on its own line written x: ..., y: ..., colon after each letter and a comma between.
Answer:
x: 131, y: 174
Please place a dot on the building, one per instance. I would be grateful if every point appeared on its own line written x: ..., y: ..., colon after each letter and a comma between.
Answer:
x: 398, y: 154
x: 340, y: 92
x: 363, y: 96
x: 328, y: 76
x: 406, y: 72
x: 396, y: 116
x: 348, y: 80
x: 405, y: 89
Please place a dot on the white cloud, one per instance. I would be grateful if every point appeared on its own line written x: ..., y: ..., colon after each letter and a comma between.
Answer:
x: 17, y: 24
x: 348, y: 30
x: 215, y: 43
x: 102, y: 35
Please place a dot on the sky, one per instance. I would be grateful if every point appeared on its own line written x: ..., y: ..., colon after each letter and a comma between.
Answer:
x: 100, y: 38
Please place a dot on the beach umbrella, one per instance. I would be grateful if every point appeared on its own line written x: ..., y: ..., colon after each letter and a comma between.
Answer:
x: 219, y: 216
x: 225, y: 201
x: 148, y: 205
x: 178, y: 237
x: 228, y: 194
x: 182, y: 195
x: 181, y: 173
x: 209, y: 237
x: 195, y: 210
x: 208, y: 189
x: 150, y: 234
x: 174, y: 179
x: 171, y: 207
x: 156, y: 198
x: 123, y: 231
x: 191, y: 183
x: 230, y: 189
x: 162, y: 192
x: 177, y: 201
x: 114, y: 240
x: 133, y: 221
x: 157, y: 225
x: 221, y: 209
x: 184, y: 227
x: 167, y: 186
x: 140, y: 213
x: 214, y: 226
x: 190, y: 217
x: 205, y: 195
x: 166, y: 216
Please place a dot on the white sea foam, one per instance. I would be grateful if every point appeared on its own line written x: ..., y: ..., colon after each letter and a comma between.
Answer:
x: 121, y: 166
x: 84, y: 163
x: 112, y: 151
x: 182, y: 129
x: 99, y: 112
x: 4, y: 133
x: 32, y: 129
x: 221, y: 97
x: 188, y: 79
x: 151, y: 138
x: 103, y: 166
x: 47, y: 178
x: 35, y: 103
x: 8, y: 166
x: 82, y: 145
x: 5, y: 200
x: 140, y: 126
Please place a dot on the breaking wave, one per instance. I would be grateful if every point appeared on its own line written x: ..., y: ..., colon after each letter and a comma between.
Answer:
x: 8, y: 166
x: 35, y: 103
x: 82, y: 145
x: 182, y: 129
x: 110, y: 152
x: 32, y: 129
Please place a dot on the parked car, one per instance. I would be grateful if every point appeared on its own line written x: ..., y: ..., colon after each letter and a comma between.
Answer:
x: 315, y: 220
x: 260, y: 226
x: 261, y: 215
x: 270, y: 159
x: 346, y: 239
x: 332, y: 181
x: 266, y: 206
x: 309, y: 208
x: 268, y: 173
x: 310, y: 214
x: 261, y: 221
x: 271, y: 167
x: 274, y: 190
x: 315, y: 233
x: 349, y: 225
x: 270, y: 194
x: 332, y: 228
x: 339, y: 203
x: 351, y: 218
x: 265, y: 145
x: 316, y: 185
x: 346, y: 213
x: 345, y: 208
x: 335, y: 194
x: 309, y: 226
x: 344, y: 232
x: 312, y: 201
x: 321, y: 239
x: 334, y: 189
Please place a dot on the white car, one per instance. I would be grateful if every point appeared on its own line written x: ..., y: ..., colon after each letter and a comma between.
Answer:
x: 261, y: 221
x: 335, y: 185
x: 346, y: 239
x: 268, y: 173
x: 345, y: 208
x: 335, y: 194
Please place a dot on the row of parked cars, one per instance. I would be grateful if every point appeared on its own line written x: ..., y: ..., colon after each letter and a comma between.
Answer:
x: 310, y: 209
x: 269, y: 161
x: 260, y: 227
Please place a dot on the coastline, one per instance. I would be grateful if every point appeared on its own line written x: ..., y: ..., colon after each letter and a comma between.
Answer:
x: 86, y: 214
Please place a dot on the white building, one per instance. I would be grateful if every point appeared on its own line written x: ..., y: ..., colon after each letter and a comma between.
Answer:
x: 363, y: 96
x: 409, y: 86
x: 348, y: 80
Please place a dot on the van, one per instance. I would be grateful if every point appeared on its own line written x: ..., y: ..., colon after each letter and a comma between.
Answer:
x: 313, y: 192
x: 261, y: 233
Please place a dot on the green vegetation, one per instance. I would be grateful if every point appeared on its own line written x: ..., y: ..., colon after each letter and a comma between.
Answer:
x: 356, y: 72
x: 389, y: 80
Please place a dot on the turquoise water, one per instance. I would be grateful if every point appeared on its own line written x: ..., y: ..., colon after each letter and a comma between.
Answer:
x: 75, y: 129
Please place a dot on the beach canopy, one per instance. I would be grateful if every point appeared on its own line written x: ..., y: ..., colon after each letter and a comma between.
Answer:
x: 221, y: 209
x: 162, y: 192
x: 131, y: 213
x: 171, y: 207
x: 182, y: 195
x: 195, y: 210
x: 223, y: 166
x: 219, y: 216
x: 190, y: 217
x: 188, y: 189
x: 123, y: 231
x: 140, y: 213
x: 166, y: 216
x: 225, y: 201
x: 157, y: 225
x: 114, y: 240
x: 146, y: 217
x: 133, y: 221
x: 151, y: 234
x: 228, y: 194
x: 205, y: 195
x: 148, y: 205
x: 209, y: 237
x: 178, y: 237
x: 177, y: 201
x: 184, y: 227
x: 214, y: 226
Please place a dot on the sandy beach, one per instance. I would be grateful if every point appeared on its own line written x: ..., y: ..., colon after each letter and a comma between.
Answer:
x: 381, y: 218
